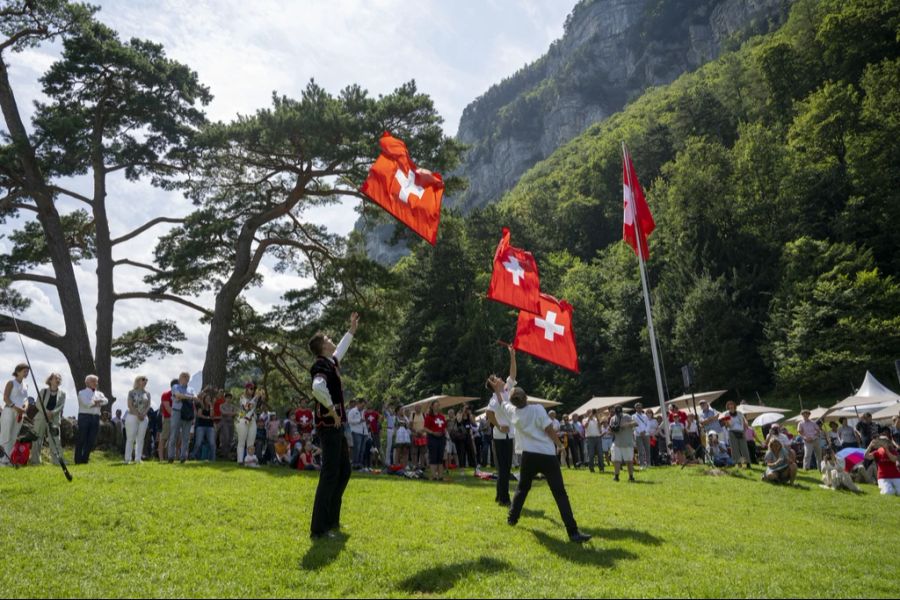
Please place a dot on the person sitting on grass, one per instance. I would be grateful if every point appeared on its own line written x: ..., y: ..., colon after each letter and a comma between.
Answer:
x: 307, y: 460
x: 883, y: 451
x: 282, y: 451
x: 717, y: 451
x: 834, y: 477
x: 250, y: 460
x: 536, y: 437
x: 780, y: 467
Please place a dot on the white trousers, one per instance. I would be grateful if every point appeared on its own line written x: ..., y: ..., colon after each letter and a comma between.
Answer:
x: 246, y: 432
x: 135, y: 430
x: 889, y: 487
x: 9, y: 430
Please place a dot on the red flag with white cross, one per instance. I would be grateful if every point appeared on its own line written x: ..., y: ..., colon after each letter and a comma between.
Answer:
x: 637, y: 223
x: 548, y: 334
x: 412, y: 195
x: 515, y: 280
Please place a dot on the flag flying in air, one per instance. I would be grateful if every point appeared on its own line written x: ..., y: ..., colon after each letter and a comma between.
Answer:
x: 638, y: 222
x: 412, y: 195
x: 515, y: 280
x: 548, y: 333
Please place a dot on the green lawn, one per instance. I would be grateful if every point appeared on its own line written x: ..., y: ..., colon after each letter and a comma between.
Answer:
x: 200, y: 530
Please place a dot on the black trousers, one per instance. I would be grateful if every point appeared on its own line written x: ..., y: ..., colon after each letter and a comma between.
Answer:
x: 86, y: 438
x: 503, y: 453
x: 335, y: 474
x: 548, y: 466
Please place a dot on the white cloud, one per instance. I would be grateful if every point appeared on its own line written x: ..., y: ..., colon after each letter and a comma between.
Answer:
x: 244, y: 51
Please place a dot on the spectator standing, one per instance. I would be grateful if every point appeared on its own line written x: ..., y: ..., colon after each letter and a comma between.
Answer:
x: 246, y: 421
x: 642, y: 435
x: 868, y: 430
x: 592, y: 436
x: 15, y: 397
x: 90, y: 399
x: 205, y: 428
x: 623, y: 427
x: 358, y: 428
x: 848, y: 436
x: 390, y: 421
x: 165, y: 409
x: 183, y: 398
x: 136, y: 422
x: 737, y: 435
x: 811, y: 433
x: 373, y: 423
x: 54, y: 400
x: 226, y: 426
x: 709, y: 420
x: 436, y: 429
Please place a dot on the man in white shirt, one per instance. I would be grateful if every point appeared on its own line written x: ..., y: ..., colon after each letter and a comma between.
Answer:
x: 539, y: 443
x: 502, y: 433
x: 642, y: 435
x: 90, y: 399
x: 359, y: 430
x: 329, y: 394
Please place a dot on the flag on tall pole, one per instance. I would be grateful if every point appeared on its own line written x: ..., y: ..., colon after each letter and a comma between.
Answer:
x: 637, y: 226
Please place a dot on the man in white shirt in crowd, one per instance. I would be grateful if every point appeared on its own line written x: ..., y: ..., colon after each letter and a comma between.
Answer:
x: 622, y: 450
x: 328, y: 391
x: 642, y: 435
x: 554, y: 421
x: 709, y: 418
x: 504, y: 439
x: 810, y: 431
x: 90, y: 399
x: 359, y: 430
x: 180, y: 428
x: 536, y: 437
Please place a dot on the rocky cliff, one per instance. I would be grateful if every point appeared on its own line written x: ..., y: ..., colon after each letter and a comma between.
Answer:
x: 610, y: 52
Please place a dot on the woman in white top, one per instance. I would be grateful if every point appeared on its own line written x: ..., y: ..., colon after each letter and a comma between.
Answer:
x: 737, y: 435
x: 54, y: 400
x: 246, y: 421
x: 136, y: 422
x: 15, y: 395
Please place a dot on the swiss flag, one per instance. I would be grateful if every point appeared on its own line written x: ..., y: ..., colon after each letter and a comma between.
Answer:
x: 548, y: 333
x: 515, y: 280
x: 638, y: 223
x: 410, y: 194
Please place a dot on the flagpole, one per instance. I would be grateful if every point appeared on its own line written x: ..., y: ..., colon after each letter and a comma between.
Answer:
x: 646, y: 287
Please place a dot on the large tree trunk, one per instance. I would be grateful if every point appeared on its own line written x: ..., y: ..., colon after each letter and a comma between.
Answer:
x: 214, y: 367
x: 76, y: 344
x: 106, y: 293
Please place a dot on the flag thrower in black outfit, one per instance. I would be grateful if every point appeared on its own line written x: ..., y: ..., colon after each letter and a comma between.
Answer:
x: 330, y: 417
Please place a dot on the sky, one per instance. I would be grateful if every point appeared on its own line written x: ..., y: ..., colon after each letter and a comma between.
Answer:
x: 244, y: 51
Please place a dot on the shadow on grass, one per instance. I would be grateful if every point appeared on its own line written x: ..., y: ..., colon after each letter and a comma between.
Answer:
x: 641, y: 537
x: 538, y: 514
x: 439, y: 580
x: 582, y: 554
x: 323, y: 552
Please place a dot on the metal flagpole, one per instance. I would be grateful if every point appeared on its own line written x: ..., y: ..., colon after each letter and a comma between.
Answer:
x: 640, y: 253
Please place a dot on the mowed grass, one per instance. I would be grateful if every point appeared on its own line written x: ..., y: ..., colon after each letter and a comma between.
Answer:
x: 216, y: 530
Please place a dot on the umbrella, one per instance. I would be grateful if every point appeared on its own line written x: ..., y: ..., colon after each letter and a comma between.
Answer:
x: 755, y: 410
x: 601, y: 402
x: 443, y: 401
x: 851, y: 457
x: 766, y: 419
x: 887, y: 413
x: 815, y: 414
x: 686, y: 401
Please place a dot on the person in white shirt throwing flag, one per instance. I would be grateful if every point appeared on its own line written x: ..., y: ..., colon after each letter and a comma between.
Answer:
x: 537, y: 439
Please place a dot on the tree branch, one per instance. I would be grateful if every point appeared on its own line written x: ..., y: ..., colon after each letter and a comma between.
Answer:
x: 33, y: 277
x: 126, y: 261
x: 71, y: 194
x: 144, y: 228
x: 33, y: 331
x: 163, y: 297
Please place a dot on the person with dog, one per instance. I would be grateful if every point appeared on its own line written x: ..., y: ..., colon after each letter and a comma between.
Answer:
x: 538, y: 441
x: 328, y: 391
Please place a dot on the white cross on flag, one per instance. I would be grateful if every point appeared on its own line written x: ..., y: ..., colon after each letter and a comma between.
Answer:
x: 515, y: 279
x: 548, y: 334
x: 637, y: 223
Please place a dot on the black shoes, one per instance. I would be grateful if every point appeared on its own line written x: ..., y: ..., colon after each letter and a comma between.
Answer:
x: 631, y: 480
x: 579, y: 538
x: 512, y: 522
x: 328, y: 535
x: 615, y: 477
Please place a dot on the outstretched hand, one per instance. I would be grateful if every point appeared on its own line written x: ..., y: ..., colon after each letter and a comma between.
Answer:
x: 354, y: 322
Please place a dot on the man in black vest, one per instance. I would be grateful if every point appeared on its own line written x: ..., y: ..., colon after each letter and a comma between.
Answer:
x: 330, y: 416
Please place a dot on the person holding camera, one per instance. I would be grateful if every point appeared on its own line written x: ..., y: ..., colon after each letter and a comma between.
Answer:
x: 537, y: 438
x: 622, y: 427
x: 183, y: 397
x: 883, y: 451
x: 54, y: 401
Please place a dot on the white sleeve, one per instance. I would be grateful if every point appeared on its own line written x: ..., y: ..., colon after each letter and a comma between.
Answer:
x: 510, y: 384
x: 343, y: 346
x: 320, y: 391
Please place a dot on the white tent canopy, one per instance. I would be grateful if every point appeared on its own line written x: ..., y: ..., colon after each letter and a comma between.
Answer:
x: 687, y: 400
x: 603, y: 402
x: 885, y: 414
x: 443, y: 401
x: 872, y: 395
x: 531, y: 400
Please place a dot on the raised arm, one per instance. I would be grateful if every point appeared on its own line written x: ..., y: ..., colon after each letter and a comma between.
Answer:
x: 512, y: 363
x: 344, y: 344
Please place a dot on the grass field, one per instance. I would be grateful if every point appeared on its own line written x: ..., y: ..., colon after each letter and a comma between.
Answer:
x: 217, y: 530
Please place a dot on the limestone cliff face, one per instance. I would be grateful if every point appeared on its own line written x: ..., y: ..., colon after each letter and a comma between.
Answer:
x: 610, y: 52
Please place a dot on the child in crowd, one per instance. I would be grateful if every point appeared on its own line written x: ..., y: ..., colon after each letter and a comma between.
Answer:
x: 307, y: 460
x: 402, y: 442
x: 451, y: 458
x: 677, y: 431
x: 282, y: 451
x: 250, y: 460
